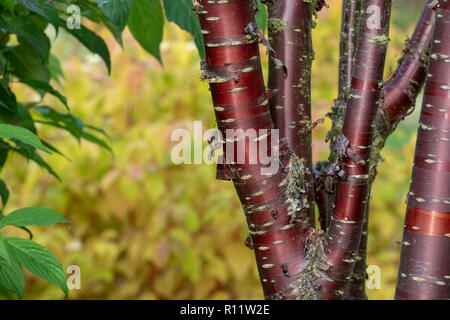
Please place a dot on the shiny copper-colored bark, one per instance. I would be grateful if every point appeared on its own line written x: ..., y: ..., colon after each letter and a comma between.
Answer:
x: 424, y: 271
x: 402, y: 88
x: 350, y: 18
x: 344, y: 233
x: 233, y: 69
x: 400, y: 93
x: 290, y: 36
x: 351, y: 12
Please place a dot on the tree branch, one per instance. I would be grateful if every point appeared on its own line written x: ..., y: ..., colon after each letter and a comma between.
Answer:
x: 401, y: 90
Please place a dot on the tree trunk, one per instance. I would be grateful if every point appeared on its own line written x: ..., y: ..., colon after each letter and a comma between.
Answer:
x: 296, y: 261
x: 278, y: 230
x: 424, y: 263
x: 353, y: 151
x: 289, y: 26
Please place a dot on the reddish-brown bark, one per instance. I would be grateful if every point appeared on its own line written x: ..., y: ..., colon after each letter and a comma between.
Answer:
x: 400, y: 93
x: 350, y: 18
x: 424, y: 271
x: 354, y: 145
x: 402, y: 88
x: 233, y: 69
x: 351, y: 12
x: 294, y: 260
x: 290, y: 36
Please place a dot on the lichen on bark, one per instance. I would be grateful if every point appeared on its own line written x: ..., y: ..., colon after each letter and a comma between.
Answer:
x: 276, y: 25
x: 297, y: 190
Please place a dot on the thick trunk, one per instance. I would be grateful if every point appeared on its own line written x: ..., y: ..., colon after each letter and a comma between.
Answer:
x: 424, y: 271
x: 270, y: 201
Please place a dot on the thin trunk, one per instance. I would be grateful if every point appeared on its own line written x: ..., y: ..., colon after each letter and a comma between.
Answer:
x: 424, y: 271
x: 351, y: 12
x: 289, y: 26
x: 400, y: 93
x: 270, y: 202
x: 336, y: 256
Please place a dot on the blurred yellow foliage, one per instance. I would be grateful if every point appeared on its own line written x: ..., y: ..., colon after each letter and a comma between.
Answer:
x: 144, y: 228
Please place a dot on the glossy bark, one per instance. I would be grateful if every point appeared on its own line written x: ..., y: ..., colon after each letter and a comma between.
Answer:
x: 424, y: 271
x: 400, y: 93
x: 402, y: 88
x: 344, y: 233
x: 278, y: 231
x: 289, y: 26
x: 351, y: 12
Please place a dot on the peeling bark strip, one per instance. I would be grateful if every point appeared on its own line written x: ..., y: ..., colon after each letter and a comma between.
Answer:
x: 272, y: 203
x: 354, y: 144
x: 289, y: 26
x: 424, y: 263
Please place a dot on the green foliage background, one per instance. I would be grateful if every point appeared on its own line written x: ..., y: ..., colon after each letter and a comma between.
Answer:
x: 144, y: 228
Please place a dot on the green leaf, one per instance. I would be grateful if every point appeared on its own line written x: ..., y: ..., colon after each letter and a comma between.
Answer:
x: 3, y: 155
x: 46, y: 10
x: 92, y: 42
x: 26, y: 120
x: 6, y: 293
x: 54, y: 149
x: 146, y: 23
x: 116, y: 10
x: 55, y: 68
x: 30, y: 153
x: 4, y: 254
x: 46, y: 88
x: 65, y: 121
x: 39, y: 260
x: 32, y: 216
x: 25, y: 27
x: 261, y: 17
x: 97, y: 129
x: 9, y: 4
x: 26, y: 63
x: 4, y: 193
x: 98, y: 141
x: 11, y: 276
x: 180, y: 12
x: 8, y: 131
x: 94, y: 13
x: 8, y: 99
